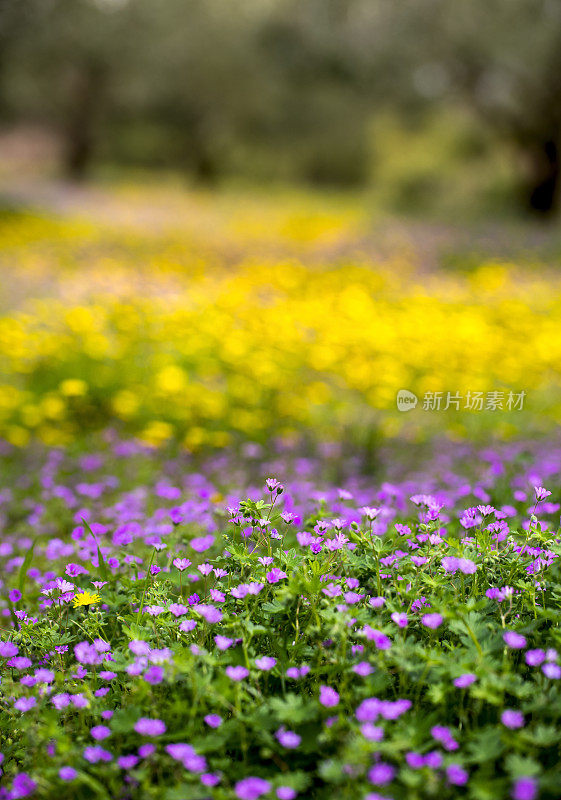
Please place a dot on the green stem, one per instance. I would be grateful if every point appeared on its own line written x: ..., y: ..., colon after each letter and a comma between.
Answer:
x: 145, y: 587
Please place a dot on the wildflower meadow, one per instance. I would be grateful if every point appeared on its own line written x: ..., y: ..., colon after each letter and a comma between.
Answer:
x: 231, y: 566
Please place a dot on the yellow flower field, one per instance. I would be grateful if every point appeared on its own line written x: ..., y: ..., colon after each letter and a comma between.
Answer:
x: 177, y: 334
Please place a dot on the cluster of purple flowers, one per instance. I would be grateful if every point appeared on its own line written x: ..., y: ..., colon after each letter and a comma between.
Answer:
x: 312, y: 616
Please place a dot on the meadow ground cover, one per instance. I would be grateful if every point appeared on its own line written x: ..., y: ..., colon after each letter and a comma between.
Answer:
x: 173, y: 629
x: 182, y: 336
x: 230, y: 568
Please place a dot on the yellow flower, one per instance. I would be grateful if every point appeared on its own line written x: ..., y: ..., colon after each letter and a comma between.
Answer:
x: 86, y: 599
x: 73, y: 387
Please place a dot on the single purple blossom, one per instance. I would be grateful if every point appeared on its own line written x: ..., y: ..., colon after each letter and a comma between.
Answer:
x: 181, y: 563
x: 363, y: 668
x: 8, y: 649
x: 22, y: 786
x: 534, y: 657
x: 127, y: 762
x: 100, y: 732
x: 276, y: 575
x: 288, y: 739
x: 328, y: 697
x: 286, y: 793
x: 524, y: 789
x: 456, y: 775
x: 465, y: 680
x: 381, y: 774
x: 154, y: 675
x: 251, y: 788
x: 552, y: 671
x: 150, y: 727
x: 265, y: 663
x: 25, y: 704
x: 512, y: 719
x: 237, y: 673
x: 432, y: 621
x: 514, y: 640
x: 223, y: 642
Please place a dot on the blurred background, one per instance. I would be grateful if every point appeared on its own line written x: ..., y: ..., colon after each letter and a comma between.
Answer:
x: 433, y: 104
x: 226, y: 222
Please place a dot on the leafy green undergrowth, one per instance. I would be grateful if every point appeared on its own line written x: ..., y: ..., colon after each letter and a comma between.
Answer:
x: 181, y: 634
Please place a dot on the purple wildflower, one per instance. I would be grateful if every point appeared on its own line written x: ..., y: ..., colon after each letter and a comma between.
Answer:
x: 328, y: 697
x: 288, y: 739
x: 100, y: 732
x: 363, y: 668
x: 524, y: 789
x: 514, y: 640
x: 541, y: 493
x: 456, y: 775
x: 286, y: 793
x: 139, y: 648
x: 512, y: 719
x: 19, y: 662
x: 465, y: 680
x: 95, y: 754
x: 25, y: 704
x: 276, y: 575
x: 22, y: 785
x: 432, y: 621
x: 8, y: 649
x: 223, y: 642
x: 210, y: 779
x: 552, y: 671
x: 381, y: 774
x: 127, y: 762
x: 265, y: 663
x: 210, y: 614
x: 181, y: 563
x: 381, y: 641
x: 534, y: 657
x: 251, y: 788
x: 237, y: 673
x: 154, y: 675
x: 374, y: 733
x: 150, y: 727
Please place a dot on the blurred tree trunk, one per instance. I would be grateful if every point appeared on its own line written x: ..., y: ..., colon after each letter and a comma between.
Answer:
x: 204, y: 166
x: 86, y: 92
x: 543, y: 185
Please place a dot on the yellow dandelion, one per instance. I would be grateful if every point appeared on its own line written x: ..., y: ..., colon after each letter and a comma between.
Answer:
x: 86, y: 599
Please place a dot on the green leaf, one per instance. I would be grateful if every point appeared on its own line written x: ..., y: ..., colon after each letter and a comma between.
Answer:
x: 293, y: 709
x: 542, y: 735
x: 274, y: 607
x: 332, y: 771
x: 94, y: 784
x: 124, y: 719
x: 520, y: 766
x: 486, y: 745
x: 25, y: 566
x: 102, y: 566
